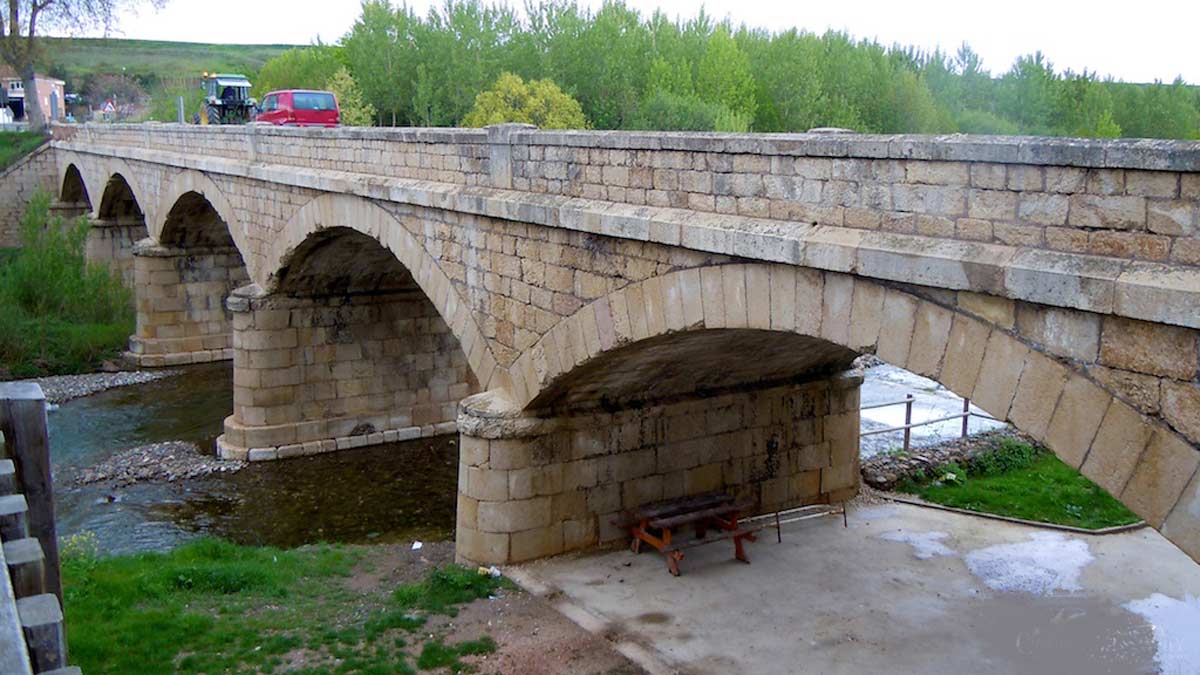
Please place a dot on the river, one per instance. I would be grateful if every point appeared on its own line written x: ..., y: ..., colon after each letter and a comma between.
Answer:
x: 395, y: 492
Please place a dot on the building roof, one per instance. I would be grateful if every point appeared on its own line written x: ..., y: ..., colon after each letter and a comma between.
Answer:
x: 7, y: 73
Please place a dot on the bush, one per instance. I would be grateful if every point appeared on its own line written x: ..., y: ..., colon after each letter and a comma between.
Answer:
x: 61, y: 314
x: 1008, y: 455
x: 16, y: 144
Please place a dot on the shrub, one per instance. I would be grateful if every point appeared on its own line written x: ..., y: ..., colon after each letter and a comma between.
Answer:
x: 1008, y: 455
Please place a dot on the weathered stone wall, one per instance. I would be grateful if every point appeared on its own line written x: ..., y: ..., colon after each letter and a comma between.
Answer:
x: 180, y: 301
x: 559, y: 483
x: 18, y: 183
x: 319, y: 374
x: 1127, y: 199
x: 111, y: 243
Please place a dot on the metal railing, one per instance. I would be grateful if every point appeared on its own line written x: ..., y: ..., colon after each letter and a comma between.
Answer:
x: 909, y: 425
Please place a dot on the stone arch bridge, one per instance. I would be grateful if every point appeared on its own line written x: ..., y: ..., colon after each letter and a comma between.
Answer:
x: 608, y: 318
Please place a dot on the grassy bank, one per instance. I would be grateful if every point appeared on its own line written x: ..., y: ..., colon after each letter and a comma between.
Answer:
x: 213, y: 607
x: 16, y: 144
x: 61, y: 315
x: 1018, y: 480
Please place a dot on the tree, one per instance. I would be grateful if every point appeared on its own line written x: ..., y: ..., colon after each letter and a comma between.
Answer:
x: 355, y: 111
x: 723, y: 74
x: 19, y: 46
x: 300, y: 68
x: 538, y: 102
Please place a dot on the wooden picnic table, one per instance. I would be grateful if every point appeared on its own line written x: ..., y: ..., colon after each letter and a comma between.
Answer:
x: 658, y: 523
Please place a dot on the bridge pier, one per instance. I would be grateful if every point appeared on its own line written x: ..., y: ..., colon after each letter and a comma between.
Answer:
x: 533, y: 486
x: 314, y: 374
x: 181, y: 316
x: 110, y: 241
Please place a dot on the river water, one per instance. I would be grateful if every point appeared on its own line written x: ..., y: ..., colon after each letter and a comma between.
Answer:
x: 395, y: 492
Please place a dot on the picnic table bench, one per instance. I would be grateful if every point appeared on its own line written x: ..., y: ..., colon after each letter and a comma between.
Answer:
x: 707, y: 511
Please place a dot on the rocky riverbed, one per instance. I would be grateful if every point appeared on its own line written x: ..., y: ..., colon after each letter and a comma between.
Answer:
x: 169, y: 461
x: 62, y: 388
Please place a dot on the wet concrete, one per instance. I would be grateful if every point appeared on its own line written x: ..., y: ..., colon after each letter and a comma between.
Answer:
x: 894, y: 593
x: 394, y: 492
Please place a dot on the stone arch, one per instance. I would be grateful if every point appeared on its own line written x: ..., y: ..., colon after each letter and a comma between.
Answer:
x: 119, y: 200
x: 73, y: 188
x: 363, y: 216
x: 112, y: 169
x: 192, y: 192
x: 1139, y: 460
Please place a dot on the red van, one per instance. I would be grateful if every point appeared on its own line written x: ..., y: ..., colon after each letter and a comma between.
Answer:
x: 300, y: 108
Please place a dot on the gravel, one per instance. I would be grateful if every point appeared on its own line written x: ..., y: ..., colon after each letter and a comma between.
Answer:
x: 63, y: 388
x: 169, y: 461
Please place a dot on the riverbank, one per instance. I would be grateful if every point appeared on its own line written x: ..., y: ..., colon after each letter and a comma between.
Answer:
x: 62, y: 388
x: 169, y: 461
x: 210, y: 606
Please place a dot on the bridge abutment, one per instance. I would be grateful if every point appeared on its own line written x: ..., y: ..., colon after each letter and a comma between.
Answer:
x: 533, y: 486
x: 325, y: 373
x: 181, y: 317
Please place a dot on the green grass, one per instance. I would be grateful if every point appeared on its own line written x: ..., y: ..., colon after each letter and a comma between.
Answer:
x: 16, y: 144
x: 151, y: 60
x: 61, y: 314
x: 1022, y: 481
x: 214, y: 607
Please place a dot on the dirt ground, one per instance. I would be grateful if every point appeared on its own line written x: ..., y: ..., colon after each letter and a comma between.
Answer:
x: 532, y: 638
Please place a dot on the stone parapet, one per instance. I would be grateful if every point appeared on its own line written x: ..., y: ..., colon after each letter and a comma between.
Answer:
x: 531, y: 487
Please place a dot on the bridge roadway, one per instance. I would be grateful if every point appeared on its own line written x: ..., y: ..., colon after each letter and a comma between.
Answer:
x: 607, y: 318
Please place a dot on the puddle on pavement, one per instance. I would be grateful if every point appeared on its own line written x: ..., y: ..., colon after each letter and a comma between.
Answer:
x: 925, y: 545
x: 393, y: 492
x: 654, y: 618
x: 1045, y: 563
x: 1176, y: 625
x: 1062, y: 635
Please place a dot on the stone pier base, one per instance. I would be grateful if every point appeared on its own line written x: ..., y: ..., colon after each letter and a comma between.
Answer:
x: 111, y: 242
x: 181, y: 315
x: 318, y: 374
x: 531, y: 487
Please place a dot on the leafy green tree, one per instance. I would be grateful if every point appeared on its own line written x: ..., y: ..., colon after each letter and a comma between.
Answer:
x: 723, y: 74
x: 381, y: 54
x: 538, y: 102
x: 355, y: 112
x: 663, y: 110
x: 300, y: 68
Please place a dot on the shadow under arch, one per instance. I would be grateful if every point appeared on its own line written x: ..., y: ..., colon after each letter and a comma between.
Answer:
x: 360, y: 215
x: 73, y: 190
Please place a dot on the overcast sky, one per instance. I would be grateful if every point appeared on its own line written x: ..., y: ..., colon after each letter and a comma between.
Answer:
x: 1134, y: 41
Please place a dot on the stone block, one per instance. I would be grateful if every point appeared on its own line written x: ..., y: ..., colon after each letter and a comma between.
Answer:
x: 836, y: 308
x: 964, y: 355
x: 899, y: 315
x: 1041, y: 383
x: 1175, y: 218
x: 536, y: 543
x: 1065, y: 332
x: 931, y: 330
x: 992, y: 204
x: 1181, y: 407
x: 1182, y: 526
x: 703, y: 479
x: 1042, y: 209
x: 758, y: 296
x: 733, y: 287
x: 1143, y: 391
x: 866, y: 315
x: 580, y: 533
x: 1152, y: 183
x: 1118, y: 445
x: 535, y: 481
x: 1000, y: 312
x: 999, y: 374
x: 481, y: 548
x: 1107, y: 212
x: 1149, y: 348
x: 1161, y: 475
x: 713, y: 295
x: 489, y: 484
x: 514, y: 515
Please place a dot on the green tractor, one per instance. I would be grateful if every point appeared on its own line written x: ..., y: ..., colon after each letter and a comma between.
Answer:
x: 226, y: 100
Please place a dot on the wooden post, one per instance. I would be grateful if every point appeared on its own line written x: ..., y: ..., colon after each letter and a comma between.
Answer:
x: 908, y: 401
x: 966, y: 415
x: 27, y: 444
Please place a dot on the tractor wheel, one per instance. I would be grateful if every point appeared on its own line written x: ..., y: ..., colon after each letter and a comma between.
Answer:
x: 214, y: 114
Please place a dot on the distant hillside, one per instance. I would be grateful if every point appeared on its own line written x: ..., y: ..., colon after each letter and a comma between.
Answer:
x: 155, y: 64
